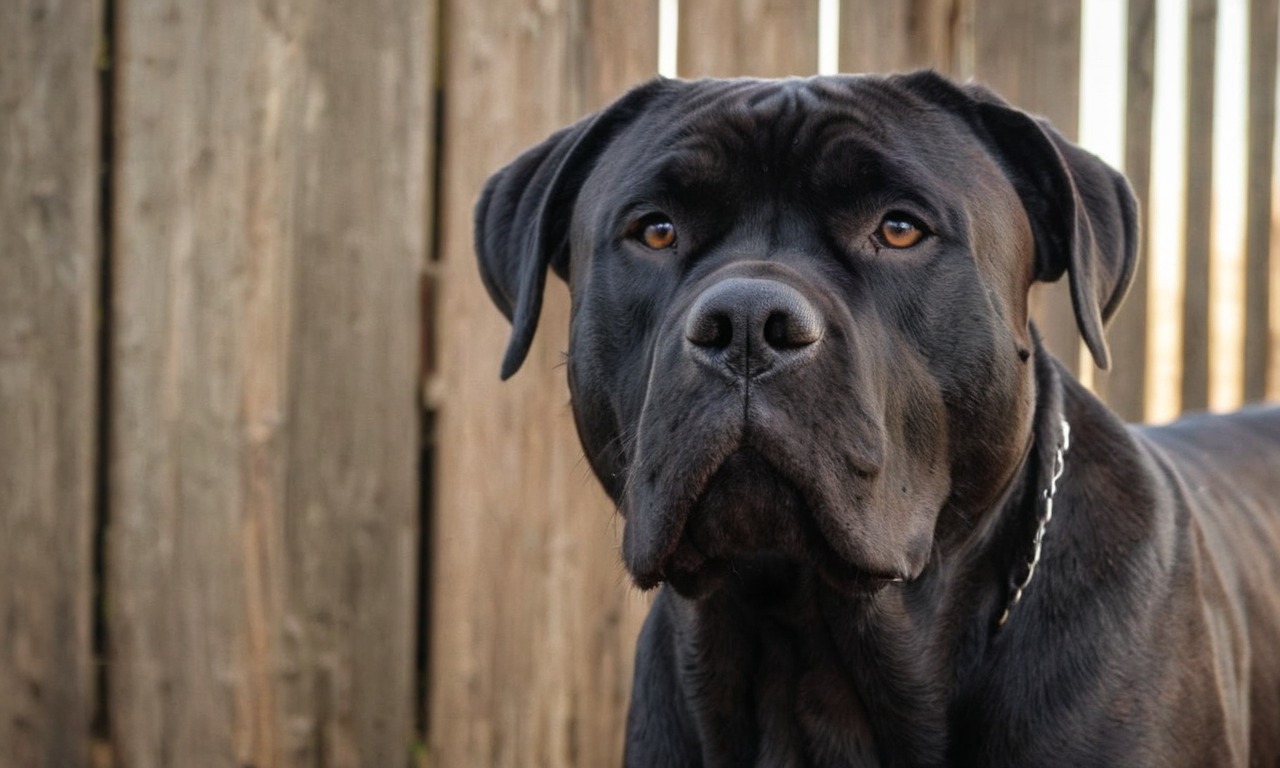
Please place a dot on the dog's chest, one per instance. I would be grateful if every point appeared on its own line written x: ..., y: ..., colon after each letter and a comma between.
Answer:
x: 794, y: 702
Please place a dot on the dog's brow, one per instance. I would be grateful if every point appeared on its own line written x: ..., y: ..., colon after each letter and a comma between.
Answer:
x: 688, y: 169
x: 851, y: 166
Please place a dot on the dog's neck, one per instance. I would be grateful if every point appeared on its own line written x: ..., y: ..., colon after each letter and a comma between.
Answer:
x: 1042, y: 469
x: 926, y: 637
x: 1046, y: 503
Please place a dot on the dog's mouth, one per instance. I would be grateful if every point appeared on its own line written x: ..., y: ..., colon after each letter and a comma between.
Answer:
x: 747, y: 514
x: 808, y: 463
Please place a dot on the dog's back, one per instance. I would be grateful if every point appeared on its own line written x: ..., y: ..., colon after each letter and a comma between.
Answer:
x: 1222, y: 473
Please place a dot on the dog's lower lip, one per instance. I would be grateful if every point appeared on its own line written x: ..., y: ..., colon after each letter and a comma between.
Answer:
x: 693, y: 569
x: 694, y: 580
x: 852, y: 580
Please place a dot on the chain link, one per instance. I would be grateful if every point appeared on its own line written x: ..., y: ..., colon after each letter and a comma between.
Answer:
x: 1046, y: 515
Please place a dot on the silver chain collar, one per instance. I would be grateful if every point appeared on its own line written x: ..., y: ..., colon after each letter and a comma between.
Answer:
x: 1046, y: 515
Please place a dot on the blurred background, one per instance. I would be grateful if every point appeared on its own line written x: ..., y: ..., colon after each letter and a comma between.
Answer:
x: 263, y: 500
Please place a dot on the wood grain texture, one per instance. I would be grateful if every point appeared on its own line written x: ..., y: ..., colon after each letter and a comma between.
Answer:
x: 1123, y: 387
x: 533, y: 620
x: 1264, y: 15
x: 49, y: 291
x: 1201, y: 46
x: 1030, y: 54
x: 268, y: 209
x: 757, y: 38
x: 878, y: 36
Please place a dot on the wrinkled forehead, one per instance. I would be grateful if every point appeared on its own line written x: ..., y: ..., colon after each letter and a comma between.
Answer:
x: 813, y: 133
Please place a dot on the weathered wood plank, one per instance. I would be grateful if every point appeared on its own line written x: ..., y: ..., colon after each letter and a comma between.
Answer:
x: 1030, y: 54
x: 1124, y: 386
x: 876, y: 36
x: 1201, y: 47
x: 351, y: 471
x: 49, y: 290
x: 533, y: 622
x: 759, y: 38
x: 1264, y: 15
x: 268, y: 238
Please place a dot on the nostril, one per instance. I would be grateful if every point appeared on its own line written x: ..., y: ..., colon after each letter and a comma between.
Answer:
x: 775, y: 330
x: 786, y: 329
x: 711, y: 329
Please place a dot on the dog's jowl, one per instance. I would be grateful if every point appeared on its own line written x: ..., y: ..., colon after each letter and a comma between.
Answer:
x: 886, y: 526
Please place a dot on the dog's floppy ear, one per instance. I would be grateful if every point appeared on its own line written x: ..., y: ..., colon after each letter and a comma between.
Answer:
x: 1082, y: 212
x: 522, y: 217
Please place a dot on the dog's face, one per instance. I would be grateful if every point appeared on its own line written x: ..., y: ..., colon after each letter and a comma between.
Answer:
x: 799, y: 325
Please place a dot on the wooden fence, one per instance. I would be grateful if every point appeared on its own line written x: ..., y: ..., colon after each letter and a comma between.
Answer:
x: 263, y: 500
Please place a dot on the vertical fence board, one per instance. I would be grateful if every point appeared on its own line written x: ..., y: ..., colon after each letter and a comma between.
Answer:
x: 1201, y: 45
x: 759, y: 38
x: 533, y: 622
x: 175, y: 489
x: 1264, y: 15
x: 49, y: 272
x: 1123, y: 387
x: 1273, y: 282
x: 352, y: 478
x: 1030, y: 54
x: 268, y: 205
x: 876, y: 36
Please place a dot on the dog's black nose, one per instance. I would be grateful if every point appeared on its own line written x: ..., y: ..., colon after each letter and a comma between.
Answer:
x: 752, y: 325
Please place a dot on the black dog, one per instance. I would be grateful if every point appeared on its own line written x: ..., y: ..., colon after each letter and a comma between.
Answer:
x: 892, y: 530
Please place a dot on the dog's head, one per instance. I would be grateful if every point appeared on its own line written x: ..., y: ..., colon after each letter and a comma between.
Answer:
x: 799, y: 308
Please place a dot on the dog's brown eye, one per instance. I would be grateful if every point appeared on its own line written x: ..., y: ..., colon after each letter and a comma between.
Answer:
x: 899, y: 231
x: 656, y: 232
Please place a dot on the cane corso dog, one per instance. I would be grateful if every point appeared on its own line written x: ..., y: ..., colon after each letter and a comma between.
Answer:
x: 887, y: 527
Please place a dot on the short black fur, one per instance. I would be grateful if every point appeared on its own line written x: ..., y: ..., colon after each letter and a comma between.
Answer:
x: 836, y: 492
